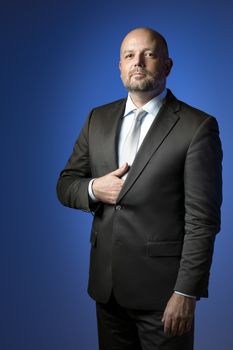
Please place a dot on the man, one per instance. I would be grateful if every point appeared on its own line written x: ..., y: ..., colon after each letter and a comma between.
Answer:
x: 153, y: 180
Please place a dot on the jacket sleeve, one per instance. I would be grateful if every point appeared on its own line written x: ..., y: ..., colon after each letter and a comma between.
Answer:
x: 203, y: 198
x: 72, y: 185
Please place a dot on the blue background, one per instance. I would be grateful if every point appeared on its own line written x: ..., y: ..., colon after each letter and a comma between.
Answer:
x: 59, y: 59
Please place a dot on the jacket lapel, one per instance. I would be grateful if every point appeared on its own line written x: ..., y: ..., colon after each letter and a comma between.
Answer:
x: 162, y: 125
x: 109, y: 133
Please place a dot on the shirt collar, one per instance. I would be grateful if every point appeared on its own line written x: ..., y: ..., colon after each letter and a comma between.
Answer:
x: 151, y: 107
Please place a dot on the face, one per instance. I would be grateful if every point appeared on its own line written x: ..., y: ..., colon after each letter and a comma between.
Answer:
x: 143, y: 64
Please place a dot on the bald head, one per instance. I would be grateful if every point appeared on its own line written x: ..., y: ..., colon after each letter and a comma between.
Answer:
x: 150, y: 33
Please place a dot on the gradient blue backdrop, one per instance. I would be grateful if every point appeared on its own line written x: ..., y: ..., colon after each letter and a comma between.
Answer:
x: 58, y: 60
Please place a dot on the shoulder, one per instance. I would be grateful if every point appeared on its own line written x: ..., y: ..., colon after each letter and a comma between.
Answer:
x: 107, y: 113
x: 197, y: 119
x: 189, y: 115
x: 193, y: 112
x: 110, y: 106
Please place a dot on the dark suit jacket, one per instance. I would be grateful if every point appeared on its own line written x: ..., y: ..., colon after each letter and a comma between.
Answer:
x: 159, y: 236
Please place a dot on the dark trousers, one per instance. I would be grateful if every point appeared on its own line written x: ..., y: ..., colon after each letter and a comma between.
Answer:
x: 120, y: 328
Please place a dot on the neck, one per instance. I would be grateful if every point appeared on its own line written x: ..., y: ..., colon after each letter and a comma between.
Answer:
x: 140, y: 98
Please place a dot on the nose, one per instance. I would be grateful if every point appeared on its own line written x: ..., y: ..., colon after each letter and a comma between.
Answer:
x: 139, y: 60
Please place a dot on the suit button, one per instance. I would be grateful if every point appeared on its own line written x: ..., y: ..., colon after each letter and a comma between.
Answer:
x: 118, y: 207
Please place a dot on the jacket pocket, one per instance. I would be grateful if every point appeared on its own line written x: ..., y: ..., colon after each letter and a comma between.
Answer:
x: 164, y: 248
x: 93, y: 238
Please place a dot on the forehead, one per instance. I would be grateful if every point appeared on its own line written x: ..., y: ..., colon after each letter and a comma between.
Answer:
x: 139, y: 40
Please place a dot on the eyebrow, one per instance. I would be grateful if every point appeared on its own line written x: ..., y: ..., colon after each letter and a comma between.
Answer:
x: 132, y: 50
x: 125, y: 51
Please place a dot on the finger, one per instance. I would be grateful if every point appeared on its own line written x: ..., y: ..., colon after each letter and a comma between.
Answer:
x: 182, y: 327
x: 121, y: 171
x: 174, y: 327
x: 164, y: 317
x: 167, y: 325
x: 189, y: 324
x: 112, y: 199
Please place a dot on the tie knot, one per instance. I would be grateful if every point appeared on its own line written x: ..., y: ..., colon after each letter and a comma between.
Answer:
x: 139, y: 114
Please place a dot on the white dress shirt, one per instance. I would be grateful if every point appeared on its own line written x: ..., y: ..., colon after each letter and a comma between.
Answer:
x: 152, y: 108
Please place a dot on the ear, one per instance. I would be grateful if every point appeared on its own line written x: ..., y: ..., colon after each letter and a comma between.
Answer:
x: 168, y: 64
x: 119, y: 65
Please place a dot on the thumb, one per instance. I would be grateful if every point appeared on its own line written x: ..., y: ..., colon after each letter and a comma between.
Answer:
x: 121, y: 171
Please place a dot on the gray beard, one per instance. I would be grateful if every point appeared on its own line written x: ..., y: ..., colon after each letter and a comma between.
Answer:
x: 144, y: 85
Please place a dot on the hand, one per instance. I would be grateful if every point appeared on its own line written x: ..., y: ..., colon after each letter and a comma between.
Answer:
x: 178, y: 315
x: 107, y: 188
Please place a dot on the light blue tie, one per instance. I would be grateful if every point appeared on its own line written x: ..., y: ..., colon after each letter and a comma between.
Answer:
x: 130, y: 146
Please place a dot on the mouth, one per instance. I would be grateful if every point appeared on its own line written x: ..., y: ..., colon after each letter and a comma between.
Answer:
x: 137, y: 74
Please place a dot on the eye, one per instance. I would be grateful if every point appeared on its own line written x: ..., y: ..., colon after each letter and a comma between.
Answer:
x: 149, y: 54
x: 129, y: 55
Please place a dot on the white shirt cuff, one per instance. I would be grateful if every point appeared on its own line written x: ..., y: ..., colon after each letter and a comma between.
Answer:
x: 90, y: 191
x: 186, y: 295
